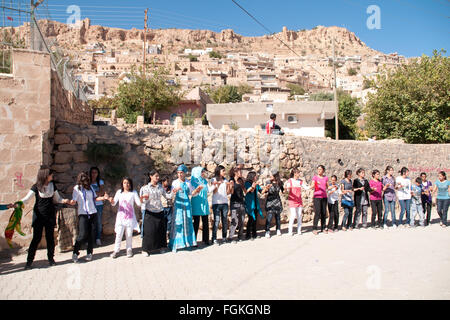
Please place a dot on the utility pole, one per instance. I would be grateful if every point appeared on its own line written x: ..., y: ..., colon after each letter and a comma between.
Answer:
x: 336, y: 103
x: 33, y: 6
x: 145, y: 62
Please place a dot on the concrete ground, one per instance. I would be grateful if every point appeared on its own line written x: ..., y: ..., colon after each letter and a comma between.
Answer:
x: 397, y: 263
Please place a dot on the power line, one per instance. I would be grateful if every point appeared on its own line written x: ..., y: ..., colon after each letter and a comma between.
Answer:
x: 273, y: 33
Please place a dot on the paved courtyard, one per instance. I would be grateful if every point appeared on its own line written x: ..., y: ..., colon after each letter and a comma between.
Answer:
x: 361, y: 264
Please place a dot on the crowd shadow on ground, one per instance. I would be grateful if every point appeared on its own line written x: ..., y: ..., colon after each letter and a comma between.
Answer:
x: 7, y: 266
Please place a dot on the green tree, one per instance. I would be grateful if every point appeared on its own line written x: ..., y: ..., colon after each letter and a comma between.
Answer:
x: 215, y: 54
x: 154, y: 88
x: 349, y: 112
x: 228, y: 93
x: 352, y: 72
x: 295, y: 90
x: 412, y: 102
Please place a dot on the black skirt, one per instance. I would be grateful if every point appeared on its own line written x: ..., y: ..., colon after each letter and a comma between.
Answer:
x: 154, y: 231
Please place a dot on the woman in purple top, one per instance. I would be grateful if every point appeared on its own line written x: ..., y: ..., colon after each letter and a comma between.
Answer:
x: 389, y: 195
x: 376, y: 187
x: 426, y: 197
x: 320, y: 185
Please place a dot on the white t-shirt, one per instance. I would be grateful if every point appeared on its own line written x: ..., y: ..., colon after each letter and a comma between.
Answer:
x: 333, y: 197
x: 220, y: 197
x: 125, y: 215
x: 85, y: 200
x: 403, y: 193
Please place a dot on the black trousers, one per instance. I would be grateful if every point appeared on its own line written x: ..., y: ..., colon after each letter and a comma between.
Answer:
x: 427, y: 208
x: 320, y: 212
x: 333, y: 210
x: 37, y: 236
x: 377, y: 211
x: 205, y: 227
x: 86, y: 232
x: 155, y: 231
x: 251, y: 226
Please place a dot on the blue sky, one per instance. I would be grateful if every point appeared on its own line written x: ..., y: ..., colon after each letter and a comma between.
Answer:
x: 409, y: 27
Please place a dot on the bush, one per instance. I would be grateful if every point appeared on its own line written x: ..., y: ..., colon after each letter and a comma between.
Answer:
x: 352, y: 72
x: 110, y: 155
x: 188, y: 117
x: 215, y: 54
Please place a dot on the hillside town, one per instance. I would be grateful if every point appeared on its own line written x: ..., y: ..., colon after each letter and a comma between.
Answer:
x: 200, y: 60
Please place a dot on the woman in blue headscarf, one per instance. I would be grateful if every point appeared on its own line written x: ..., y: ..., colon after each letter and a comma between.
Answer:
x: 182, y: 233
x: 200, y: 206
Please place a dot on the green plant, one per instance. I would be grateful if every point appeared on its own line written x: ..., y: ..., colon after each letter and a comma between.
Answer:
x: 111, y: 155
x: 160, y: 163
x: 192, y: 58
x: 352, y: 72
x: 152, y: 90
x: 215, y: 54
x: 412, y: 102
x: 233, y: 125
x: 188, y: 117
x: 295, y: 90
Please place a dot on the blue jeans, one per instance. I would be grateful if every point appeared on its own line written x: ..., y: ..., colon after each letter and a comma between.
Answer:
x: 442, y: 209
x: 405, y: 205
x: 142, y: 227
x: 98, y: 232
x: 220, y: 210
x: 389, y: 206
x: 347, y: 219
x: 168, y: 215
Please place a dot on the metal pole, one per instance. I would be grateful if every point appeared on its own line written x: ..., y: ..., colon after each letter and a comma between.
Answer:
x: 144, y: 66
x: 336, y: 103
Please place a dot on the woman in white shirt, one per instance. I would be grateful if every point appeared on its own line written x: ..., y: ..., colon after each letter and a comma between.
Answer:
x: 85, y: 197
x: 44, y: 214
x: 154, y: 228
x: 403, y: 186
x: 221, y: 190
x: 126, y: 220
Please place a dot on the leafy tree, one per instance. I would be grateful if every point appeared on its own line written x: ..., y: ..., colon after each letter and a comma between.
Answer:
x: 321, y: 96
x: 295, y: 90
x: 192, y: 58
x: 413, y: 101
x: 215, y: 54
x: 228, y: 93
x: 349, y: 112
x: 154, y: 90
x: 352, y: 72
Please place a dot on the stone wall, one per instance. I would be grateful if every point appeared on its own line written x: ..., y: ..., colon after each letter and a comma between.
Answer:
x: 31, y: 98
x: 65, y: 106
x: 24, y: 126
x: 154, y: 146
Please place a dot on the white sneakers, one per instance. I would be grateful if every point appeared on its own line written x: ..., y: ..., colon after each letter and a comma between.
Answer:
x: 75, y: 257
x: 113, y: 255
x: 267, y: 234
x: 129, y: 253
x: 98, y: 242
x: 278, y: 232
x: 385, y: 226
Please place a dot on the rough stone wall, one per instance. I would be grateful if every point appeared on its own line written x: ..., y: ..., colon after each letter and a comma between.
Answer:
x: 31, y: 98
x: 65, y: 106
x: 153, y: 146
x: 24, y: 126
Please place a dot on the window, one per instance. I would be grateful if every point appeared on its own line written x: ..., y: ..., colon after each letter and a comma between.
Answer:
x: 269, y: 107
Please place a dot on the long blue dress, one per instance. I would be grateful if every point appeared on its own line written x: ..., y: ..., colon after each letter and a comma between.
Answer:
x: 182, y: 234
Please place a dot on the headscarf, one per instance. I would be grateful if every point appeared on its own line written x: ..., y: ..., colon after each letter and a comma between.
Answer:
x: 182, y: 168
x: 196, y: 177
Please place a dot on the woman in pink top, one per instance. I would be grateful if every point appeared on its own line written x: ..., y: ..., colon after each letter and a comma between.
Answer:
x: 376, y: 198
x: 320, y: 185
x: 294, y: 186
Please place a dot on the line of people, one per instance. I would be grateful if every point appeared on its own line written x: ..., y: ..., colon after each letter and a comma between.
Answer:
x: 173, y: 210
